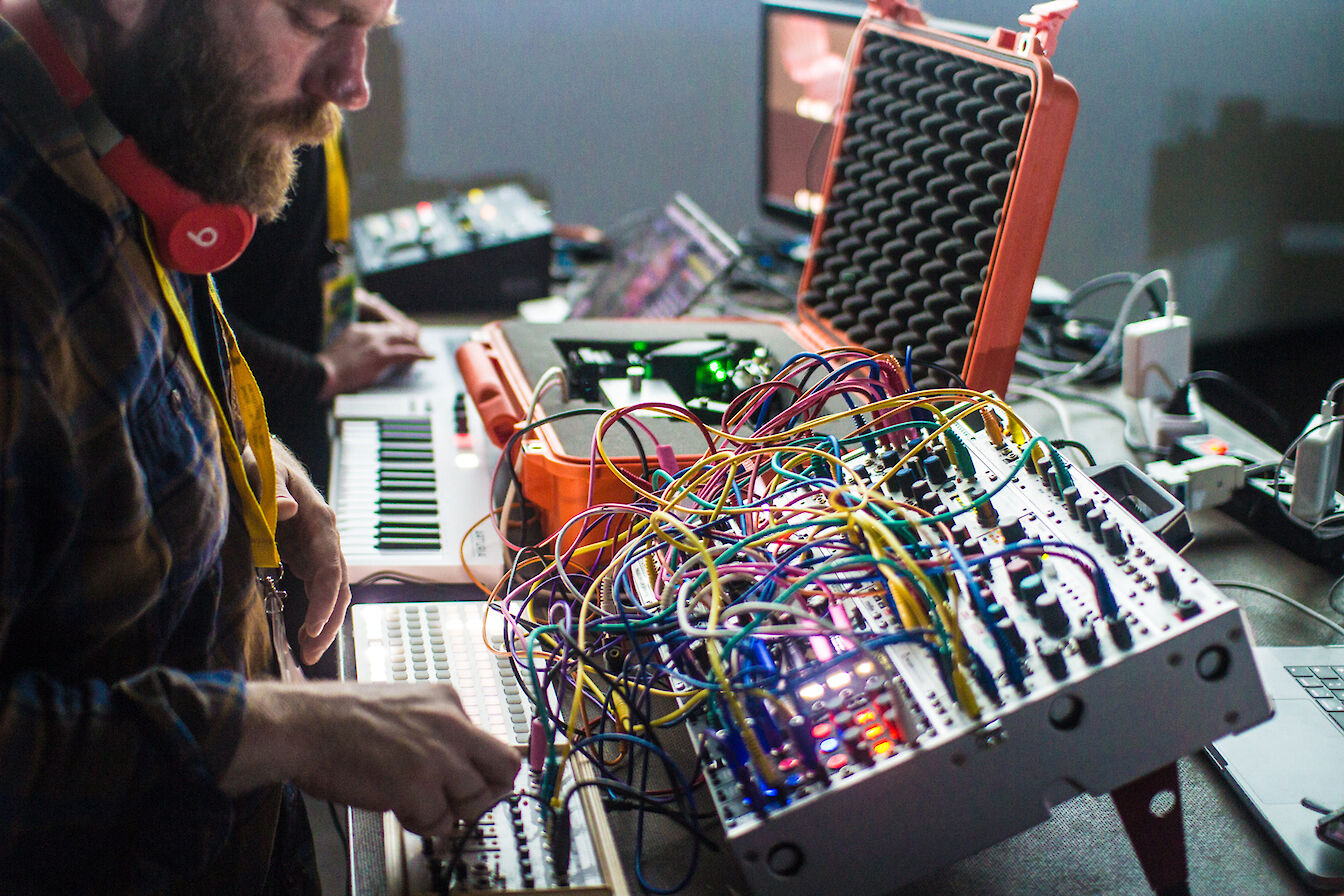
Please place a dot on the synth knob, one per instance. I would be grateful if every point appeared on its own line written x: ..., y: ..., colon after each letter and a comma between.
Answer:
x: 905, y: 481
x: 934, y: 471
x: 1071, y: 497
x: 1013, y: 531
x: 1018, y: 569
x: 1056, y: 663
x: 1081, y: 509
x: 1054, y: 618
x: 1186, y: 608
x: 1167, y: 586
x: 1089, y: 645
x: 1033, y: 586
x: 1113, y: 538
x: 1120, y: 633
x: 985, y: 514
x: 862, y: 751
x: 1014, y: 637
x: 1046, y: 468
x: 1093, y: 519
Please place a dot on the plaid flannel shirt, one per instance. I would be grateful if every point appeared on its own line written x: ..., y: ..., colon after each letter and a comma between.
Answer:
x: 129, y: 617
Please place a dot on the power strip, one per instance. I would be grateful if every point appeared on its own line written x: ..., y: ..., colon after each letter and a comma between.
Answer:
x: 1162, y: 428
x: 1262, y: 504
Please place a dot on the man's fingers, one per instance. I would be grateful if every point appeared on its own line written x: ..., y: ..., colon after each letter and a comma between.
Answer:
x: 498, y: 763
x: 286, y: 506
x: 322, y: 624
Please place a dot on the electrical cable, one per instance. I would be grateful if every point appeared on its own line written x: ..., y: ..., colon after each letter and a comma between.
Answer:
x: 1327, y: 527
x: 742, y: 584
x: 1334, y: 593
x: 1140, y: 288
x: 1267, y: 413
x: 1079, y: 349
x: 1283, y: 598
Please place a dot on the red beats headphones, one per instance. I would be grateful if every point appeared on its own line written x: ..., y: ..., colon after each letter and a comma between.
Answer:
x: 190, y: 235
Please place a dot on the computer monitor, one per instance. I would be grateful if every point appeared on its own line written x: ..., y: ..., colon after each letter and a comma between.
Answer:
x: 803, y: 51
x: 662, y: 267
x: 803, y: 47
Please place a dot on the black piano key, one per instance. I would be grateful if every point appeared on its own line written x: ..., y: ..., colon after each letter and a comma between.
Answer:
x: 408, y: 545
x: 402, y: 487
x: 409, y: 527
x: 406, y: 507
x: 398, y: 456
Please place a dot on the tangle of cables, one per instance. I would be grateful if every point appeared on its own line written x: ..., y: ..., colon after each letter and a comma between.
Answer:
x: 766, y: 591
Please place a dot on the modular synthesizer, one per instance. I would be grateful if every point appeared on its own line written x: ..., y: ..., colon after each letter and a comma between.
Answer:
x: 878, y: 610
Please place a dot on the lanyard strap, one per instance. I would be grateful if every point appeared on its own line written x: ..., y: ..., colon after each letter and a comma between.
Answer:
x: 338, y: 192
x: 259, y: 511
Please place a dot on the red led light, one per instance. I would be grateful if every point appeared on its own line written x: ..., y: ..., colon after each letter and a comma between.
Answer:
x: 788, y: 764
x: 837, y: 762
x: 821, y: 729
x: 1215, y: 445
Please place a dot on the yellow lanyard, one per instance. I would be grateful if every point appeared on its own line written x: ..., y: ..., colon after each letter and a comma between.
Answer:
x: 338, y: 192
x: 259, y: 511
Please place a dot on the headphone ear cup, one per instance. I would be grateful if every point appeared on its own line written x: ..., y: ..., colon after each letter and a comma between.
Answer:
x: 190, y: 235
x: 205, y: 239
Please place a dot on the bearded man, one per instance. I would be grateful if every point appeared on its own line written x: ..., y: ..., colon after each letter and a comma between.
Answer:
x: 145, y: 744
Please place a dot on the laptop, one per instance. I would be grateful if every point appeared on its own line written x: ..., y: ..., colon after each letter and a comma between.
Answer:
x: 661, y: 267
x: 1297, y: 754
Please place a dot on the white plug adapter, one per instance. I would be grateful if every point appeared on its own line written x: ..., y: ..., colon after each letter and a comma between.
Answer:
x: 1162, y: 429
x: 1316, y: 468
x: 1156, y: 356
x: 1200, y: 482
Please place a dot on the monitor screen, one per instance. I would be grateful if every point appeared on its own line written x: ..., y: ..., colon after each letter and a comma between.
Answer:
x: 803, y: 48
x: 661, y: 267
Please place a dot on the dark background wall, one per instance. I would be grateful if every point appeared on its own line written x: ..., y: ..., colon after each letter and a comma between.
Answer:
x: 1210, y: 138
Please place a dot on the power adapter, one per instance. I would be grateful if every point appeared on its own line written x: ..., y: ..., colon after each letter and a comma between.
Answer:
x: 1316, y: 467
x: 1200, y: 482
x: 1164, y: 424
x: 1156, y: 355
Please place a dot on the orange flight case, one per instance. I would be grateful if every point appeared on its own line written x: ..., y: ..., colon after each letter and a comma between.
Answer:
x: 942, y: 180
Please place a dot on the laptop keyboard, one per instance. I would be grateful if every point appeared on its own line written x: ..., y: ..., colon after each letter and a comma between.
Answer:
x: 1325, y: 684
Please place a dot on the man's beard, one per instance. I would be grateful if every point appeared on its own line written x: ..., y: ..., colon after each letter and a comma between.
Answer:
x: 178, y: 90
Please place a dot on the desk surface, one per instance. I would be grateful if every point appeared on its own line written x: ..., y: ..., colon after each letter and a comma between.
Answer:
x: 1082, y: 848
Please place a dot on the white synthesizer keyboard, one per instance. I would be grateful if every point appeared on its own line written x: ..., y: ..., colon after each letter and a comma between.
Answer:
x: 410, y: 474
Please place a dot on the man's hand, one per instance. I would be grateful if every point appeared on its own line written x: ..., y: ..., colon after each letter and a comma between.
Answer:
x: 407, y: 748
x: 363, y: 351
x: 310, y: 548
x: 372, y: 306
